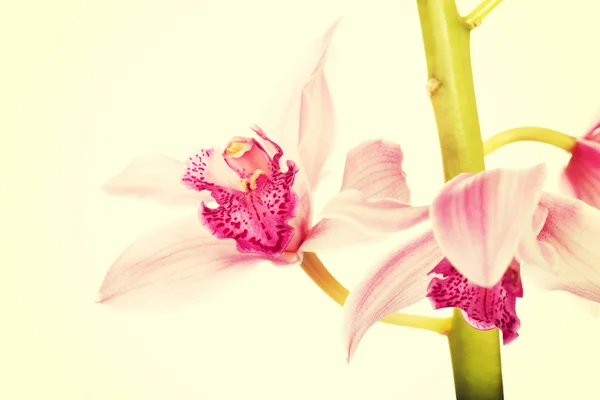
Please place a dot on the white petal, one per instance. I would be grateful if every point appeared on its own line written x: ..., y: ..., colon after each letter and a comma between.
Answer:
x: 397, y: 282
x: 374, y: 168
x: 532, y: 251
x: 317, y: 126
x: 376, y: 214
x: 573, y: 230
x: 335, y: 234
x: 169, y: 266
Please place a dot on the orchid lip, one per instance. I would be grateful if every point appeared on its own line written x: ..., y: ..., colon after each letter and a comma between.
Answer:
x: 257, y: 212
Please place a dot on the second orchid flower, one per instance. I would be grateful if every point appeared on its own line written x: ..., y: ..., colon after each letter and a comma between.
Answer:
x: 485, y: 230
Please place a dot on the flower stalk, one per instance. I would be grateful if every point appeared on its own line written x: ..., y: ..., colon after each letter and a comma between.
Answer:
x: 314, y: 268
x: 446, y: 35
x: 530, y: 133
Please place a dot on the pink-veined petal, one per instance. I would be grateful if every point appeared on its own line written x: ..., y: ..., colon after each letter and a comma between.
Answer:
x: 282, y: 116
x: 483, y: 308
x: 374, y: 215
x: 169, y: 266
x: 581, y: 177
x: 317, y: 119
x: 573, y: 229
x: 480, y: 219
x: 539, y: 219
x: 157, y: 177
x: 398, y: 282
x: 335, y: 234
x: 374, y: 168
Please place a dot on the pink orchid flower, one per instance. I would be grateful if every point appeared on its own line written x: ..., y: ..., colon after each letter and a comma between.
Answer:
x: 581, y: 177
x: 262, y: 212
x: 485, y: 230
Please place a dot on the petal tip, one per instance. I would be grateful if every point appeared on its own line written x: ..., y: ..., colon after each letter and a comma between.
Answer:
x: 102, y: 300
x: 111, y: 186
x: 329, y: 34
x: 104, y: 295
x: 351, y: 345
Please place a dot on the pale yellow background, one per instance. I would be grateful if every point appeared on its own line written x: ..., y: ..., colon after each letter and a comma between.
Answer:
x: 87, y: 85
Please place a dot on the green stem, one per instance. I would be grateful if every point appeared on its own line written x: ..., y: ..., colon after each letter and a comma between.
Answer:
x: 475, y: 17
x: 529, y: 133
x: 314, y: 268
x: 447, y: 43
x: 475, y: 354
x: 475, y: 361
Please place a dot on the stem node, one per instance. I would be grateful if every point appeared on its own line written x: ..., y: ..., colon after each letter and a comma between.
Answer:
x: 471, y: 24
x: 433, y: 84
x: 475, y: 17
